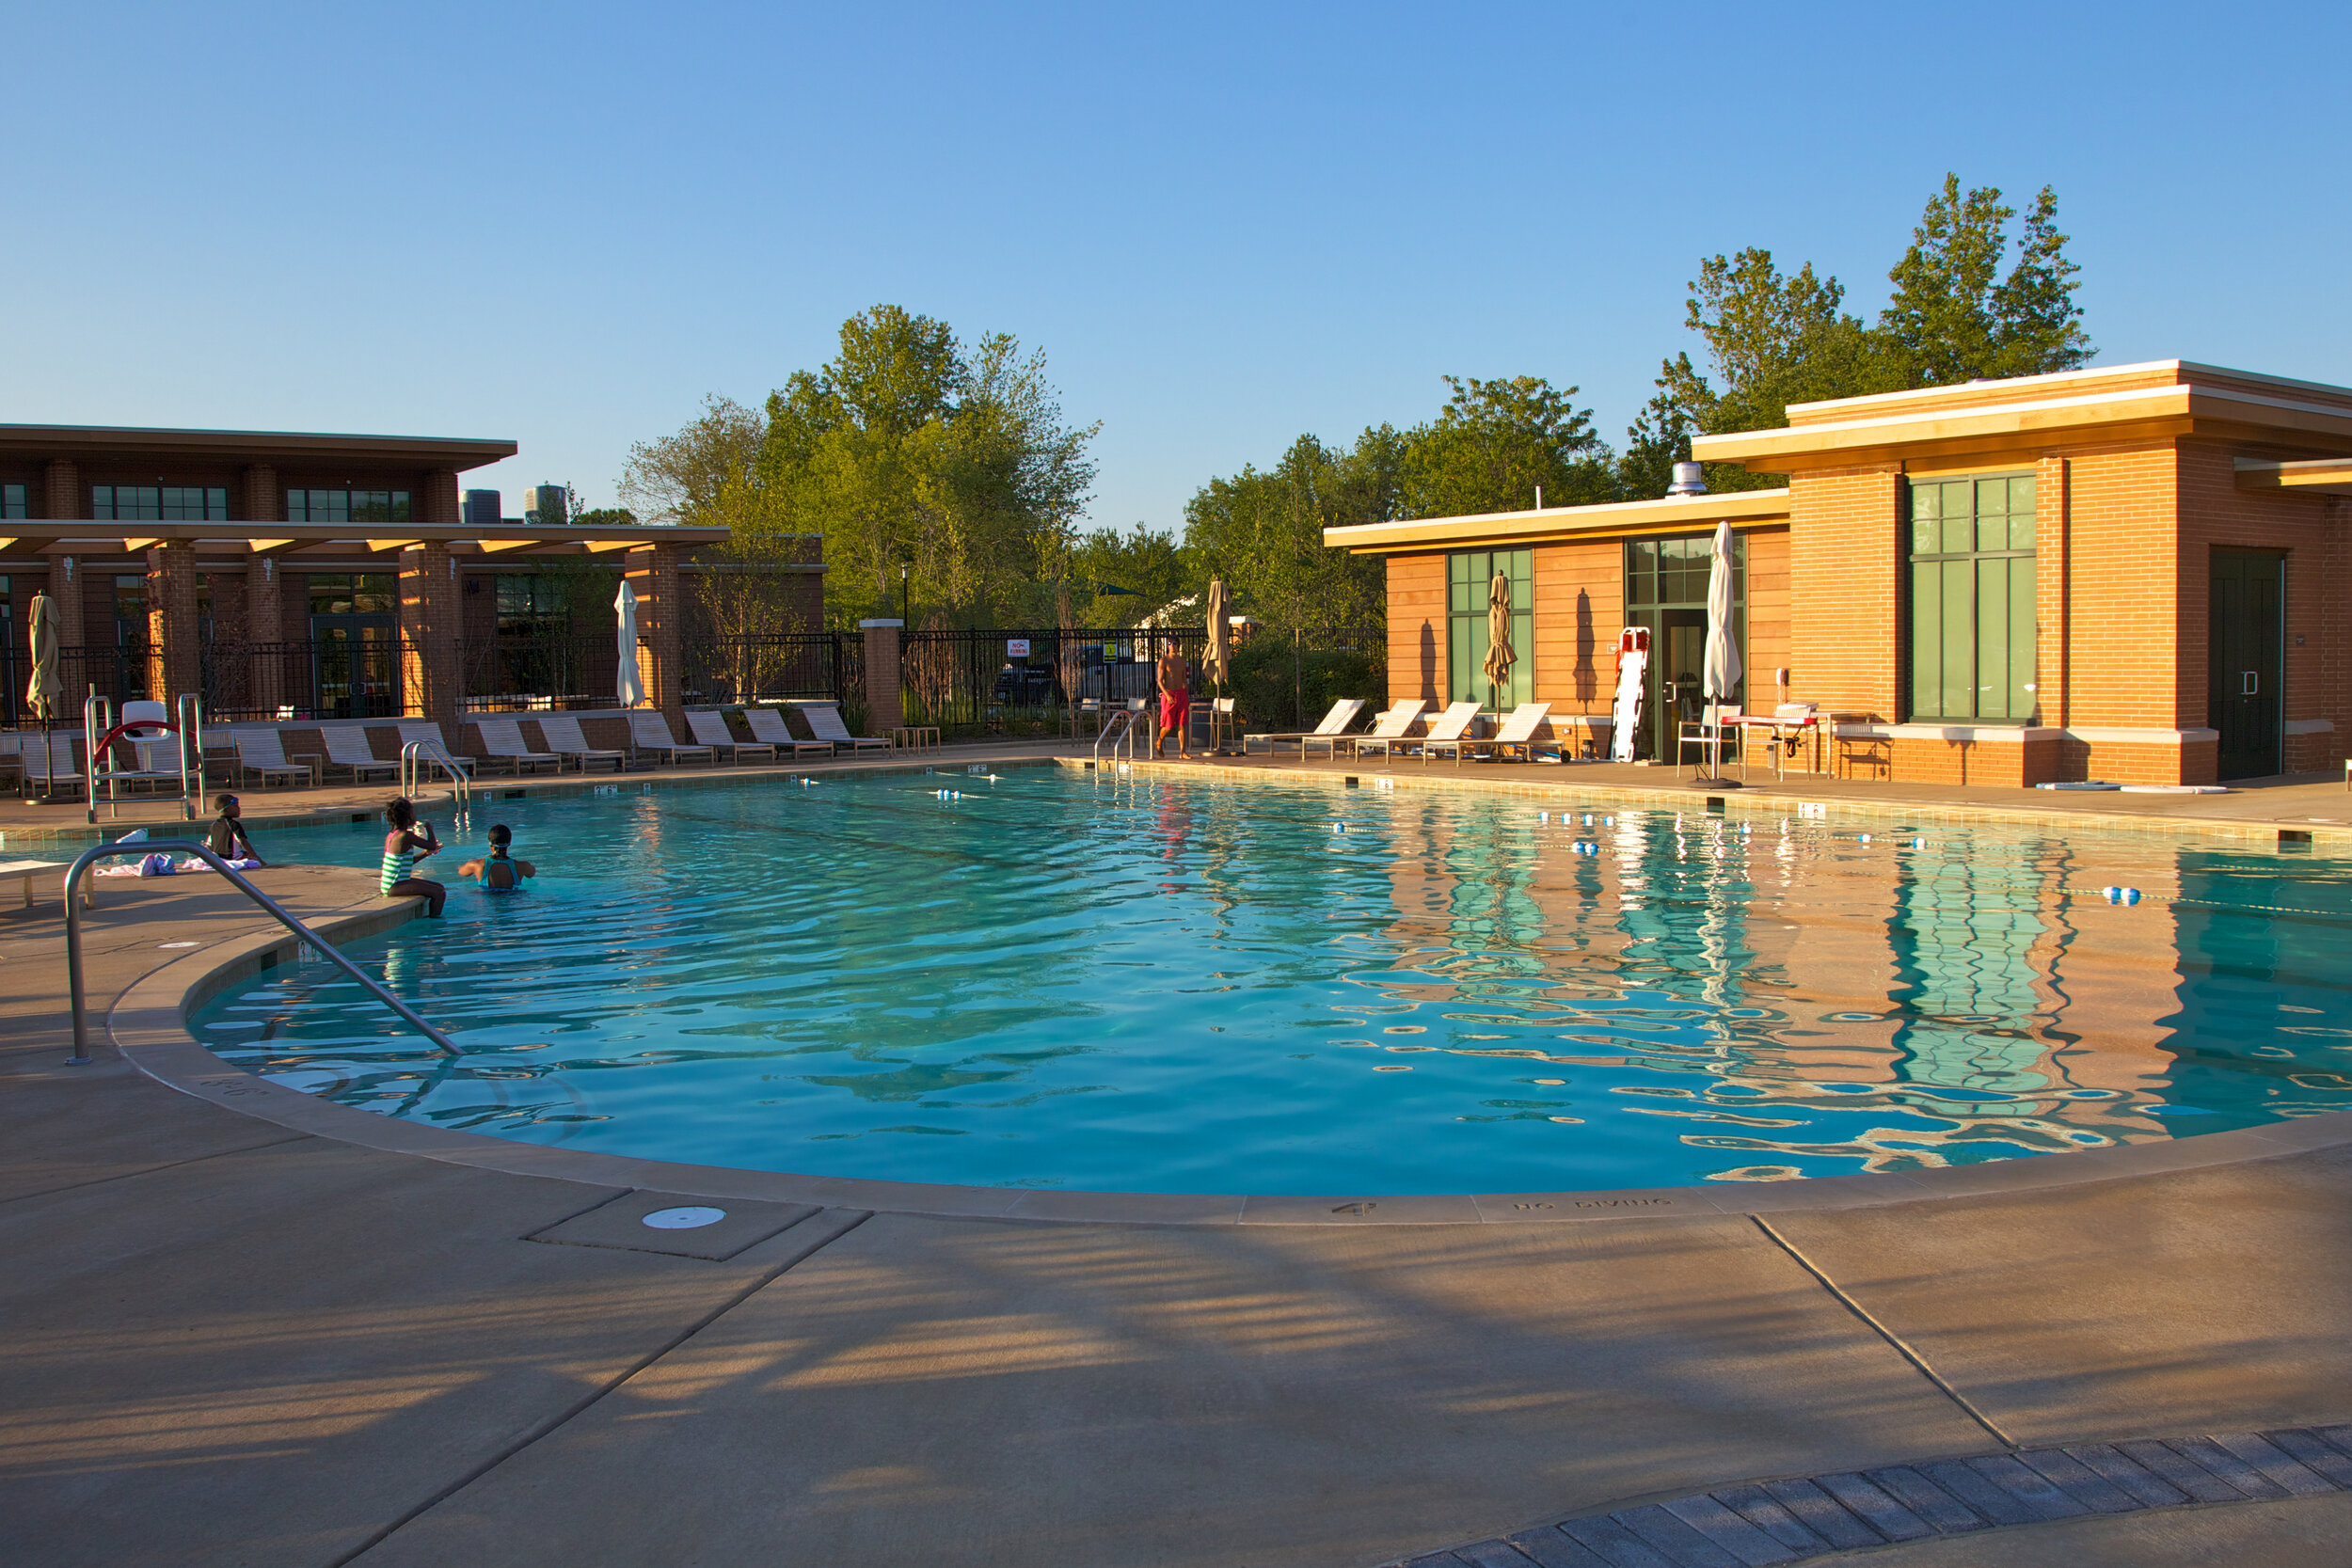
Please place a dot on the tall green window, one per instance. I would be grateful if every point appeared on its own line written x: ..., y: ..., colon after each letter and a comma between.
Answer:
x: 528, y: 605
x: 1468, y: 574
x: 1972, y: 598
x: 11, y: 501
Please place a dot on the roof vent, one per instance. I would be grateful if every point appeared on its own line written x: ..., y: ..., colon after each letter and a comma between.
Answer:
x: 1689, y: 479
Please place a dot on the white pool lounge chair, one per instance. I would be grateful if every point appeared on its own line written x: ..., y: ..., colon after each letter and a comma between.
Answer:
x: 1389, y: 728
x: 709, y: 726
x: 426, y: 732
x: 824, y: 723
x: 768, y: 727
x: 1447, y: 730
x: 347, y: 749
x: 1517, y: 734
x: 502, y: 744
x: 51, y: 765
x: 1344, y: 713
x: 649, y: 732
x: 262, y: 754
x: 562, y: 732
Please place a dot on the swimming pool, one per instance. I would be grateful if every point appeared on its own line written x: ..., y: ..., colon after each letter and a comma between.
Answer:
x: 1063, y: 979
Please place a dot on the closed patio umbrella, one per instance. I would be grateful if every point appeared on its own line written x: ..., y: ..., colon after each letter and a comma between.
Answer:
x: 626, y: 679
x: 1719, y: 675
x: 1218, y: 660
x: 1217, y: 663
x: 40, y: 692
x: 1501, y: 655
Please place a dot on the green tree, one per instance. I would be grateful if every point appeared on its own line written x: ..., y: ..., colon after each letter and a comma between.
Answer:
x: 1495, y: 443
x: 678, y: 478
x: 1955, y: 318
x: 1263, y: 531
x: 909, y: 451
x: 1119, y: 576
x: 1773, y: 339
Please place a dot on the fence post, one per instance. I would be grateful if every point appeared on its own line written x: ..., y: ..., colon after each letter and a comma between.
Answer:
x: 884, y: 694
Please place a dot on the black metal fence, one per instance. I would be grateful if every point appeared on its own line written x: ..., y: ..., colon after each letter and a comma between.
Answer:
x: 330, y: 678
x: 557, y: 670
x: 116, y: 671
x: 768, y: 668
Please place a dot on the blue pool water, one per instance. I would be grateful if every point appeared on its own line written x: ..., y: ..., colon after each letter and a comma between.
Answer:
x: 1075, y: 980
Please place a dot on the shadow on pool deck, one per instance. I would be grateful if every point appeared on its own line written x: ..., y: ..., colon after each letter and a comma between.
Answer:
x: 229, y: 1342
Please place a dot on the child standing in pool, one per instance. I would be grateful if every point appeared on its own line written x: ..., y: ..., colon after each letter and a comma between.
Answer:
x: 403, y: 847
x: 495, y: 873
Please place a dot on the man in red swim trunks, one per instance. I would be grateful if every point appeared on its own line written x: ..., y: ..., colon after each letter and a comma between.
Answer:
x: 1175, y: 699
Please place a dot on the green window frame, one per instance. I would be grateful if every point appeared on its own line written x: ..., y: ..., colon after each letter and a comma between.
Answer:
x: 11, y: 501
x: 1468, y: 574
x: 528, y: 603
x: 347, y: 506
x: 352, y: 593
x: 158, y: 503
x: 1973, y: 625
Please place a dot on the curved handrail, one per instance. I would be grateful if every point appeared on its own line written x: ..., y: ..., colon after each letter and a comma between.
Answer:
x: 414, y: 752
x: 153, y: 845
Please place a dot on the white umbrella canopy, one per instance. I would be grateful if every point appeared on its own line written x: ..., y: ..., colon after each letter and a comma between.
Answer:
x: 1720, y: 676
x: 1720, y: 672
x: 1501, y: 655
x: 627, y: 682
x: 40, y: 692
x: 1218, y: 661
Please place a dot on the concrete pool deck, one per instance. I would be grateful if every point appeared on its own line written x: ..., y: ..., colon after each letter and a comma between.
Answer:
x: 230, y: 1341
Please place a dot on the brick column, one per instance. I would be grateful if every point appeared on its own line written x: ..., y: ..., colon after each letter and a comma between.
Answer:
x: 258, y: 495
x: 431, y: 673
x: 62, y: 495
x: 265, y: 625
x: 884, y: 709
x: 653, y: 575
x: 439, y: 503
x: 174, y: 665
x: 65, y: 600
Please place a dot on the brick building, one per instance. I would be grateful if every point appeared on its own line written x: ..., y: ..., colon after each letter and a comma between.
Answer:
x: 2136, y: 574
x: 309, y: 577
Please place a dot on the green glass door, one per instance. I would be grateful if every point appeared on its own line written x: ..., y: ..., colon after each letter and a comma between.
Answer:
x: 2245, y: 659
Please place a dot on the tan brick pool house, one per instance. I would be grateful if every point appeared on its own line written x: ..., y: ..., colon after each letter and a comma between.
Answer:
x: 2136, y: 574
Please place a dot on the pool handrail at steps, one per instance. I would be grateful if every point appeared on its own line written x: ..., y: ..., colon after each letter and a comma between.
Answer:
x: 173, y: 846
x: 1119, y: 729
x: 416, y: 759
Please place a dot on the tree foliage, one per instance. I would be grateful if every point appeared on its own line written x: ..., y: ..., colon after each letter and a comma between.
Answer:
x: 1774, y: 337
x: 1262, y: 530
x: 911, y: 450
x: 679, y: 478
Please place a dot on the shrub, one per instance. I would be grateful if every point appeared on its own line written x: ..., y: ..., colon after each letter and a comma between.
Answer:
x: 1275, y: 693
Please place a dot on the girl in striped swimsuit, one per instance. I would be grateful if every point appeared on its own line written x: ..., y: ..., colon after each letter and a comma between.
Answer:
x: 403, y: 847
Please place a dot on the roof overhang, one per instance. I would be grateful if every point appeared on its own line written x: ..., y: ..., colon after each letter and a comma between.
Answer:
x: 1675, y: 513
x: 70, y: 537
x: 100, y: 443
x: 2326, y: 476
x: 2045, y: 420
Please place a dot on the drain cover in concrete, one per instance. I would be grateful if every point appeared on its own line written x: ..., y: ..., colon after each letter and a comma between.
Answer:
x: 672, y: 1223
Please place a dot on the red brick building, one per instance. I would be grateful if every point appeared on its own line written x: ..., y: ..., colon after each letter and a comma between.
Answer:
x: 326, y: 576
x: 2136, y: 574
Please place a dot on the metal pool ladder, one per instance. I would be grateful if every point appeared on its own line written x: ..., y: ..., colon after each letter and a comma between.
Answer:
x: 418, y: 758
x: 1119, y: 729
x: 174, y: 846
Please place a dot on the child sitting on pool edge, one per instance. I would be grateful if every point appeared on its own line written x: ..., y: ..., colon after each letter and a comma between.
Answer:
x: 495, y: 873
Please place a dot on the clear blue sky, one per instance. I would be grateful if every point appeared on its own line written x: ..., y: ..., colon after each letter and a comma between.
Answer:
x: 1225, y: 223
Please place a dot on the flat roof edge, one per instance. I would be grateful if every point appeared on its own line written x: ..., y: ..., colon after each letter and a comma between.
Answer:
x: 1735, y: 505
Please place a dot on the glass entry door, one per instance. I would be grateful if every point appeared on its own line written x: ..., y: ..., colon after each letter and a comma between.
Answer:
x: 354, y: 646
